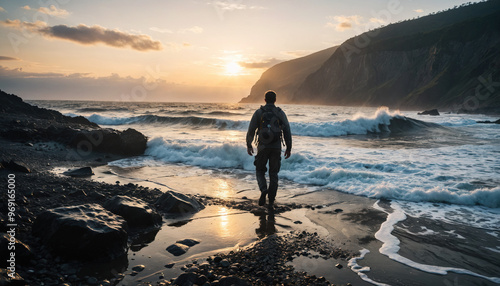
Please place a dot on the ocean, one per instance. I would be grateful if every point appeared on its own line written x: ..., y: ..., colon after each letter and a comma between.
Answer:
x: 434, y: 169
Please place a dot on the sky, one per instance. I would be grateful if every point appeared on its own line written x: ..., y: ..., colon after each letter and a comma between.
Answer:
x: 173, y: 50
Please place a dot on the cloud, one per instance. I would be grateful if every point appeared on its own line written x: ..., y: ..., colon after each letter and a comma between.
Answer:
x: 260, y: 64
x: 377, y: 21
x: 160, y: 30
x: 53, y: 11
x: 86, y: 35
x: 2, y: 9
x: 342, y: 23
x: 195, y: 30
x: 4, y: 58
x: 297, y: 53
x: 419, y: 11
x: 233, y: 5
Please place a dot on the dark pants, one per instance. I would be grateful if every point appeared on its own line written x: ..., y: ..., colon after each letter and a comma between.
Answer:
x: 273, y: 155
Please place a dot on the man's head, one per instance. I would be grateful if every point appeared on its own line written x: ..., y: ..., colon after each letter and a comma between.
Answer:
x: 270, y: 96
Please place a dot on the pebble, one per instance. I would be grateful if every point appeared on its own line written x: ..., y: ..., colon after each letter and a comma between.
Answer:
x: 138, y: 268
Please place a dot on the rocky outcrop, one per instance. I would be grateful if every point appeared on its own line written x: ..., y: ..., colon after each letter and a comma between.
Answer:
x: 84, y: 232
x: 24, y: 122
x: 80, y: 172
x: 433, y: 112
x: 177, y: 203
x: 135, y: 211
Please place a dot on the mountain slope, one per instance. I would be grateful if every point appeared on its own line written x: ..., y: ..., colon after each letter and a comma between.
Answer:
x: 285, y: 77
x: 419, y: 68
x: 446, y: 60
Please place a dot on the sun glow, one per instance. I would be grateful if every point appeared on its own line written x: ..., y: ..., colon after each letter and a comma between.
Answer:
x: 233, y: 69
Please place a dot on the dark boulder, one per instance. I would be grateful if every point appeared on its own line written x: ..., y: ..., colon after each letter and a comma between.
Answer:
x: 129, y: 142
x: 83, y: 232
x: 433, y: 112
x: 81, y: 172
x: 172, y: 202
x: 232, y: 281
x: 489, y: 122
x: 135, y: 211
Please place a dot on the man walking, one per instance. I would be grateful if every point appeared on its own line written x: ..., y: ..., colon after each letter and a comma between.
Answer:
x: 272, y: 126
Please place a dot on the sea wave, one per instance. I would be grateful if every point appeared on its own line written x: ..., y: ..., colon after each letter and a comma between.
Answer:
x: 391, y: 181
x: 155, y: 119
x: 383, y: 121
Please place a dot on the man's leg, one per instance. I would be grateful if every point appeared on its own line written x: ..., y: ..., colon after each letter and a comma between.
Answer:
x: 274, y: 168
x: 260, y: 170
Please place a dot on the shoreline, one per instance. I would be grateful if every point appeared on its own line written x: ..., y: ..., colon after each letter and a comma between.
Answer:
x: 42, y: 189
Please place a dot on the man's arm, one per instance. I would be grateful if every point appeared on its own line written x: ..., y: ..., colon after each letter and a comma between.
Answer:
x: 252, y: 127
x: 287, y: 135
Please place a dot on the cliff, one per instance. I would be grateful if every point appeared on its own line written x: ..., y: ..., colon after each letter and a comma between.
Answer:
x: 446, y: 60
x: 286, y: 77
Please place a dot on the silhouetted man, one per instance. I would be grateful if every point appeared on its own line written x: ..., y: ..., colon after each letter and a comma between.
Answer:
x: 272, y: 127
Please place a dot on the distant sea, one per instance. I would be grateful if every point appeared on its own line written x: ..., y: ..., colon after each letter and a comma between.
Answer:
x: 445, y: 168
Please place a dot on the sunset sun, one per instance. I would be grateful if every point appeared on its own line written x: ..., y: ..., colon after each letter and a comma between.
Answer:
x: 233, y: 69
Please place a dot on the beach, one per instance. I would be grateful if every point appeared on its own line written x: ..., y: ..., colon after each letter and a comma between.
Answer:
x: 327, y: 227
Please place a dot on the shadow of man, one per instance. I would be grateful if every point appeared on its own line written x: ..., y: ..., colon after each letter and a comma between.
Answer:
x: 266, y: 225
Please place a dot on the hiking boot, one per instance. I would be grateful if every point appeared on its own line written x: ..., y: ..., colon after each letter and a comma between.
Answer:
x: 270, y: 208
x: 262, y: 199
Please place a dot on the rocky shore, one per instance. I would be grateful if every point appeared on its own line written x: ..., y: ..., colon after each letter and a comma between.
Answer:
x: 75, y: 231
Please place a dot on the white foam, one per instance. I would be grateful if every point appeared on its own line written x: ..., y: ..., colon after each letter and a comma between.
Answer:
x: 425, y: 231
x: 360, y: 124
x: 227, y: 155
x: 358, y: 269
x: 390, y: 247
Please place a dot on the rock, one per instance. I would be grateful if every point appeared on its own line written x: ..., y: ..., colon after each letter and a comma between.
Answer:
x: 186, y: 279
x: 16, y: 166
x: 92, y: 281
x: 129, y: 142
x: 135, y: 211
x: 81, y: 172
x: 5, y: 280
x: 433, y: 112
x: 189, y: 242
x: 138, y: 268
x: 23, y: 251
x: 339, y: 266
x: 489, y: 122
x: 177, y: 249
x: 170, y: 265
x: 232, y: 281
x: 225, y: 263
x: 172, y: 202
x: 83, y: 232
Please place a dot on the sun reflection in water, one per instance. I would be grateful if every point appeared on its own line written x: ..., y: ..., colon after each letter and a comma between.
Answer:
x: 223, y: 189
x: 224, y: 229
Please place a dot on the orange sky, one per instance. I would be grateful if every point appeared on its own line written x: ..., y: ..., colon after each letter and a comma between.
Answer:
x: 176, y: 50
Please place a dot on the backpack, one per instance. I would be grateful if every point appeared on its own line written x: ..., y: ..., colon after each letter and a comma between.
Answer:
x: 270, y: 125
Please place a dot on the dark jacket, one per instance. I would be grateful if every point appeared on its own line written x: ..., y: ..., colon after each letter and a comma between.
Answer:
x: 255, y: 124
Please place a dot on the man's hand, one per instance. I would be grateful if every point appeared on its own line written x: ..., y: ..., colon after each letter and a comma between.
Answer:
x: 250, y: 151
x: 288, y: 153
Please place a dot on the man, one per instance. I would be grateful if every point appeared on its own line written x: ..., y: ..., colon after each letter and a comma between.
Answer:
x: 272, y: 126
